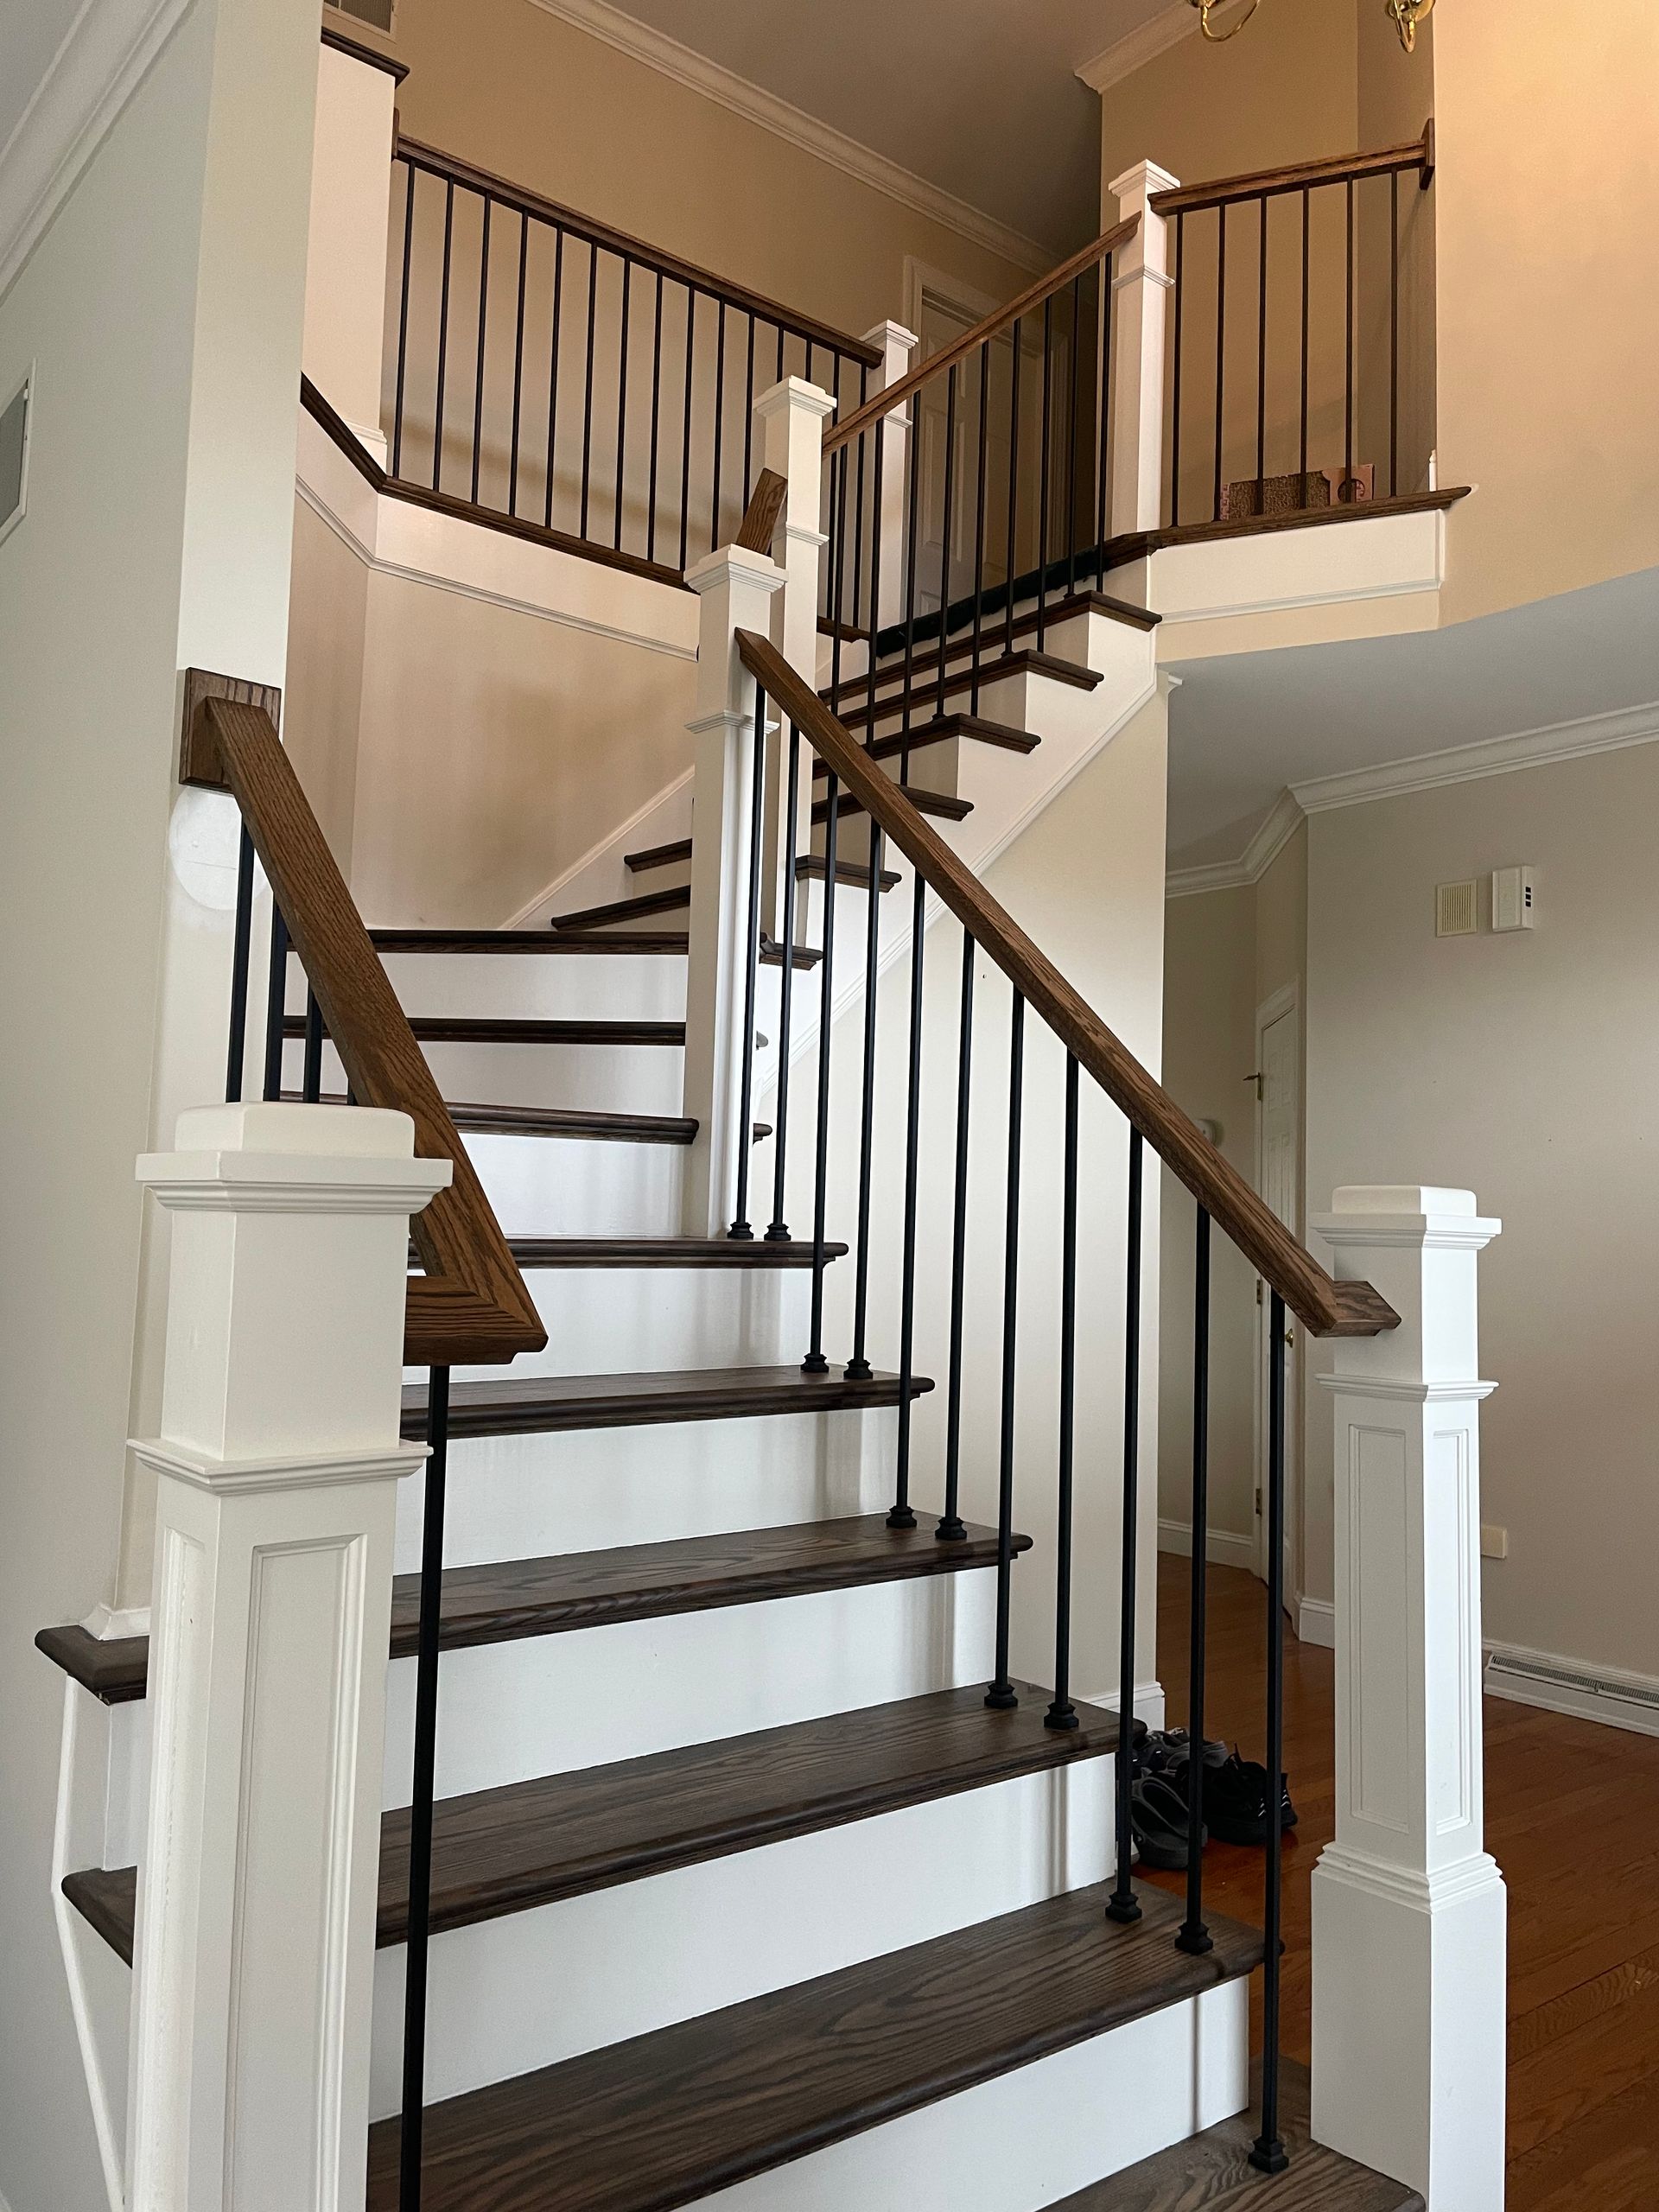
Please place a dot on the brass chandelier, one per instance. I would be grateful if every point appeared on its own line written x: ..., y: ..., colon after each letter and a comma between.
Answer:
x: 1404, y: 15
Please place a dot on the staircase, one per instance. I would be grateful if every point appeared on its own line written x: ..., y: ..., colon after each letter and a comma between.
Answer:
x: 711, y: 1871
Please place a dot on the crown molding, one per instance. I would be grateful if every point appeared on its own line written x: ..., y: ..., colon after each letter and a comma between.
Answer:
x: 1278, y: 826
x: 1136, y: 48
x: 1492, y: 756
x: 94, y: 73
x: 669, y: 58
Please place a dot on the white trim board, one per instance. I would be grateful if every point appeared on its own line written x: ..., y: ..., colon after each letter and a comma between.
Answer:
x: 1278, y: 826
x: 94, y: 73
x: 1611, y: 1696
x: 1316, y: 1622
x: 642, y: 43
x: 1492, y: 756
x: 1221, y: 1547
x: 1136, y: 48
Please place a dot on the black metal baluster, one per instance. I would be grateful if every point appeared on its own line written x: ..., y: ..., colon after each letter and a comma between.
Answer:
x: 275, y: 1003
x: 1043, y: 473
x: 1268, y: 2154
x: 858, y: 1367
x: 443, y: 334
x: 1194, y: 1937
x: 1103, y: 325
x: 951, y: 1529
x: 913, y: 494
x: 1180, y: 344
x: 1123, y: 1905
x: 1348, y: 388
x: 1262, y: 363
x: 655, y: 420
x: 587, y: 388
x: 553, y: 374
x: 1394, y: 333
x: 979, y: 522
x: 403, y: 327
x: 518, y: 367
x: 311, y: 1074
x: 1072, y: 439
x: 1062, y: 1713
x: 483, y: 336
x: 685, y: 430
x: 748, y: 419
x: 858, y: 573
x: 741, y: 1232
x: 241, y: 945
x: 902, y: 1515
x: 1013, y: 476
x: 778, y: 1233
x: 1301, y: 488
x: 622, y: 407
x: 720, y: 418
x: 944, y: 540
x: 1001, y: 1696
x: 412, y: 2126
x: 815, y: 1363
x: 1220, y: 349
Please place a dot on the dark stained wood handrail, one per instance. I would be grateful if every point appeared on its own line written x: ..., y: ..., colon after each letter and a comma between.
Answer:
x: 524, y: 202
x: 1332, y: 168
x: 1325, y: 1306
x: 472, y: 1304
x: 990, y: 325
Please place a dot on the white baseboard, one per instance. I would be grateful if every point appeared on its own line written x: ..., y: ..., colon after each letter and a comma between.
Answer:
x: 1222, y: 1549
x: 1609, y: 1695
x: 1150, y: 1705
x: 1316, y: 1622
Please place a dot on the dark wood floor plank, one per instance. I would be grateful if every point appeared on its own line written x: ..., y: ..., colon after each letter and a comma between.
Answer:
x: 1212, y: 2173
x: 661, y: 2120
x: 537, y: 1405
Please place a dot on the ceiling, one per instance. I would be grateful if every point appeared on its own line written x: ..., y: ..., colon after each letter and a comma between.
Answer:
x: 30, y: 38
x: 1245, y: 727
x: 977, y: 96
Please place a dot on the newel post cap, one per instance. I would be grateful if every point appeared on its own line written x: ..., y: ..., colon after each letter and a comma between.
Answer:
x: 795, y: 391
x: 1137, y: 184
x: 259, y: 1157
x: 1406, y: 1213
x: 734, y: 565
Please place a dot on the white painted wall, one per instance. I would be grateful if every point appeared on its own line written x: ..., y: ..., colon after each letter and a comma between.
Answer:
x: 162, y: 311
x: 1522, y: 1066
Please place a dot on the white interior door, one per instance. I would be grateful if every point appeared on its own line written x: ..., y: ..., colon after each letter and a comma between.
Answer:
x: 1279, y: 1179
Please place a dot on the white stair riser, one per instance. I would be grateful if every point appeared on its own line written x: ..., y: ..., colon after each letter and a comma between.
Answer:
x: 606, y: 1078
x: 1030, y: 2138
x: 657, y: 1320
x: 512, y: 1994
x: 592, y: 1489
x: 553, y: 1703
x: 553, y: 986
x: 579, y: 1186
x: 666, y: 876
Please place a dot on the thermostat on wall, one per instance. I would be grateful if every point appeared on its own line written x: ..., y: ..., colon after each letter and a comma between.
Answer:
x: 1513, y: 906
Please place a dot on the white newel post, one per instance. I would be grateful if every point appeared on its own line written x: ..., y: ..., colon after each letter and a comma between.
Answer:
x: 897, y: 351
x: 346, y: 266
x: 1141, y: 281
x: 791, y: 417
x: 736, y: 589
x: 278, y: 1468
x: 1410, y: 1910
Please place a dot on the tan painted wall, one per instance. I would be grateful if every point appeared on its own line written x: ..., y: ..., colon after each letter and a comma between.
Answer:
x: 506, y: 86
x: 1548, y: 319
x: 1519, y: 1065
x: 322, y: 705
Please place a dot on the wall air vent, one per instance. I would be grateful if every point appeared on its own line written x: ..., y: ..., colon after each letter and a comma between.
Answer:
x: 1454, y: 910
x: 376, y: 12
x: 14, y: 456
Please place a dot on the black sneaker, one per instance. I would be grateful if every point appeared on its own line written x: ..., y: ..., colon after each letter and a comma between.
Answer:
x: 1236, y: 1801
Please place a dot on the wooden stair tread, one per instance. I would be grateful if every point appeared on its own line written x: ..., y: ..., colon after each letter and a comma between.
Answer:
x: 496, y: 1852
x: 937, y: 731
x: 622, y: 910
x: 812, y: 867
x: 1211, y: 2172
x: 708, y: 2102
x: 1075, y: 598
x: 537, y: 1405
x: 925, y: 689
x: 666, y: 1252
x: 514, y: 942
x: 943, y: 804
x: 499, y: 1029
x: 508, y: 1601
x: 677, y: 850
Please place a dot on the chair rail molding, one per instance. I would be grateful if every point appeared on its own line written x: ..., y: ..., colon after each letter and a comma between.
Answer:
x: 100, y: 64
x: 278, y: 1468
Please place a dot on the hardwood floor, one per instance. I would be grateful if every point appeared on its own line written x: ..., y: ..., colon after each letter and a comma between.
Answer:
x: 1573, y: 1820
